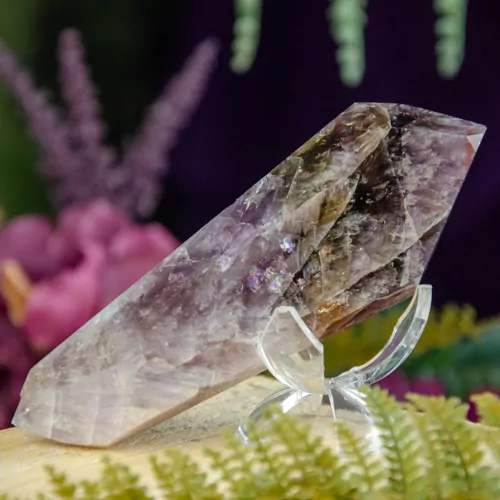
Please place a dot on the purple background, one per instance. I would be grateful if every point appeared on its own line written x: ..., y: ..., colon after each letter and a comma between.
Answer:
x: 249, y: 123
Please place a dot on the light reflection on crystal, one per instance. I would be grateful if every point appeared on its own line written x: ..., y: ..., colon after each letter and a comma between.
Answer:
x: 276, y: 284
x: 254, y: 280
x: 287, y: 245
x: 225, y: 262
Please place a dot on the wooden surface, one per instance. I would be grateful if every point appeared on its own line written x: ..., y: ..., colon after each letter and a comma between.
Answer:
x: 22, y: 457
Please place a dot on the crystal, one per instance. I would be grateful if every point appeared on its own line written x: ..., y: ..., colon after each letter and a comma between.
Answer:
x: 341, y: 229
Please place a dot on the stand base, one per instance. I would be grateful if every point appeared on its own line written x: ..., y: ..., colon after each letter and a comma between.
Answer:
x: 291, y: 352
x: 340, y: 405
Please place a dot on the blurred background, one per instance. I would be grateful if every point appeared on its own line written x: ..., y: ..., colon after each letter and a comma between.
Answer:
x: 190, y: 102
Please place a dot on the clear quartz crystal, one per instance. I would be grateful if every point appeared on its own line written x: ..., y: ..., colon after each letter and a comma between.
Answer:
x: 341, y: 229
x: 298, y: 362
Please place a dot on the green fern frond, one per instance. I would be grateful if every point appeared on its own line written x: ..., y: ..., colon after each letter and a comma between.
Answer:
x: 428, y: 451
x: 62, y: 487
x: 246, y: 34
x: 488, y: 408
x: 463, y: 456
x: 360, y: 343
x: 301, y: 465
x: 178, y: 476
x: 235, y: 465
x: 357, y: 452
x: 116, y: 481
x: 450, y: 31
x: 432, y: 456
x: 347, y: 26
x: 402, y: 448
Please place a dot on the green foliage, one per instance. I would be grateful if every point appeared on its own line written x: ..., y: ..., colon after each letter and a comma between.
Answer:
x: 246, y: 34
x: 400, y: 440
x: 466, y: 366
x: 488, y: 407
x: 21, y: 189
x: 459, y: 446
x: 347, y: 19
x: 347, y: 23
x: 361, y: 342
x: 450, y: 33
x: 428, y: 451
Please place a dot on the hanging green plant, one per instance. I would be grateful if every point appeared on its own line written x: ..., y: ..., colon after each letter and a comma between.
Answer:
x: 450, y: 33
x: 347, y: 20
x: 347, y: 26
x: 246, y: 34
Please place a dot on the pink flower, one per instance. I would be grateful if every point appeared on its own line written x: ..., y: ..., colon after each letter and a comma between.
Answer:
x: 26, y: 240
x: 399, y: 386
x: 57, y: 307
x: 15, y: 362
x: 473, y: 414
x: 79, y: 225
x: 94, y: 253
x: 132, y: 253
x: 427, y: 387
x: 396, y: 384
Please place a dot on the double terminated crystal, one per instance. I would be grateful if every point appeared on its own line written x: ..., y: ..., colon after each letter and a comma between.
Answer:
x: 341, y: 229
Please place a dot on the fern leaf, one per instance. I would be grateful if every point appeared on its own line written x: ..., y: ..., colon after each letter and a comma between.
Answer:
x: 356, y: 450
x: 180, y: 478
x: 401, y: 447
x: 235, y: 465
x: 118, y: 481
x: 432, y: 455
x: 61, y: 486
x: 464, y: 458
x: 302, y: 464
x: 488, y: 407
x: 246, y: 34
x: 450, y: 31
x: 347, y: 21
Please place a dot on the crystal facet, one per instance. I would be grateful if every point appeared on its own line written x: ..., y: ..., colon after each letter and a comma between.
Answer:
x: 341, y: 229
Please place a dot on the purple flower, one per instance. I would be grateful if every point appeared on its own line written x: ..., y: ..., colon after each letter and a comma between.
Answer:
x: 145, y: 156
x: 79, y: 167
x: 84, y: 124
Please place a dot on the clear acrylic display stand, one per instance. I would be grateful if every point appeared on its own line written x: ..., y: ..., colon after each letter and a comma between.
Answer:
x: 292, y: 353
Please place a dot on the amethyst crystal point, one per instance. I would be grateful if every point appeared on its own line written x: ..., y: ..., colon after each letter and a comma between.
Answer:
x: 341, y: 229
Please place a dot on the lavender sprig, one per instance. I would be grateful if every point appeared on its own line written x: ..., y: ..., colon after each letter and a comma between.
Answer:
x: 84, y: 115
x: 145, y: 158
x: 44, y: 122
x: 74, y: 157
